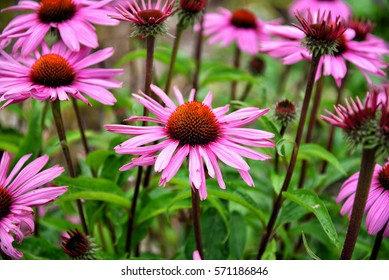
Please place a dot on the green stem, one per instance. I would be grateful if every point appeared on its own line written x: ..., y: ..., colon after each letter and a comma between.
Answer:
x: 176, y: 44
x: 198, y: 54
x: 267, y: 233
x: 196, y: 220
x: 236, y: 64
x: 56, y: 110
x: 311, y: 126
x: 246, y: 91
x: 277, y: 157
x: 364, y: 182
x: 377, y: 243
x: 150, y: 43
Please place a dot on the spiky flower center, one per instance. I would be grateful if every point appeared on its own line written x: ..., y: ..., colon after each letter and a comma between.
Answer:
x: 242, y: 18
x: 52, y: 70
x: 56, y: 11
x: 383, y: 177
x: 193, y: 6
x: 150, y: 16
x: 361, y: 28
x: 285, y: 112
x: 342, y: 46
x: 5, y: 202
x: 193, y: 123
x: 77, y: 246
x: 257, y: 66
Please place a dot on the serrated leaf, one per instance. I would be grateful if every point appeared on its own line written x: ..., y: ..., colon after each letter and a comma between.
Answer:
x: 312, y: 203
x: 310, y: 151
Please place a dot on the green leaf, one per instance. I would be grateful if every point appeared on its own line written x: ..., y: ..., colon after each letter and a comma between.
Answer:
x: 92, y: 189
x: 38, y: 248
x: 95, y: 159
x: 237, y: 240
x: 32, y: 141
x: 239, y: 198
x: 309, y: 151
x: 101, y: 196
x: 313, y: 204
x: 309, y: 251
x: 226, y: 73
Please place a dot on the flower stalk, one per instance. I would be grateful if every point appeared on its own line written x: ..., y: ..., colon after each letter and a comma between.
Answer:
x: 56, y: 110
x: 236, y: 64
x: 311, y: 126
x: 364, y: 182
x: 377, y: 244
x: 267, y: 233
x: 196, y: 220
x: 150, y: 43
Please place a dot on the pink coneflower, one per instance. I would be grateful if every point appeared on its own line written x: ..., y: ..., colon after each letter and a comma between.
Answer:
x: 56, y: 73
x: 241, y: 27
x: 366, y: 54
x: 72, y: 18
x: 78, y: 246
x: 19, y: 191
x: 337, y: 7
x: 195, y: 129
x: 377, y: 203
x: 148, y: 19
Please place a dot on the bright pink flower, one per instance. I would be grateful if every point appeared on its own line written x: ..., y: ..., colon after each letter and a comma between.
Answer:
x: 337, y: 7
x: 366, y: 55
x: 241, y: 27
x: 196, y: 130
x: 196, y: 256
x: 148, y: 19
x: 72, y: 18
x: 56, y: 73
x: 377, y: 202
x: 19, y: 191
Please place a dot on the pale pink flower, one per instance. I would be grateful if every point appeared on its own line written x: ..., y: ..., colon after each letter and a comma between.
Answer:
x: 19, y: 192
x: 72, y: 18
x: 241, y: 27
x: 196, y: 130
x: 377, y: 202
x: 337, y: 7
x: 56, y: 73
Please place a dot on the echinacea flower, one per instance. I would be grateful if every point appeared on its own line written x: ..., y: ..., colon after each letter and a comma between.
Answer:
x: 72, y: 18
x: 241, y: 27
x: 78, y: 246
x: 147, y: 19
x: 337, y: 7
x: 365, y: 123
x: 377, y: 202
x: 196, y: 130
x: 366, y: 55
x: 189, y: 10
x: 21, y: 190
x: 56, y: 73
x: 285, y: 112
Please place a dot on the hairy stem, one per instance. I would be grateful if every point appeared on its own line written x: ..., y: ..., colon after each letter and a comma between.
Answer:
x: 196, y: 220
x: 364, y: 181
x: 56, y: 110
x: 176, y: 44
x: 236, y: 64
x: 278, y: 202
x: 150, y: 43
x: 311, y: 126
